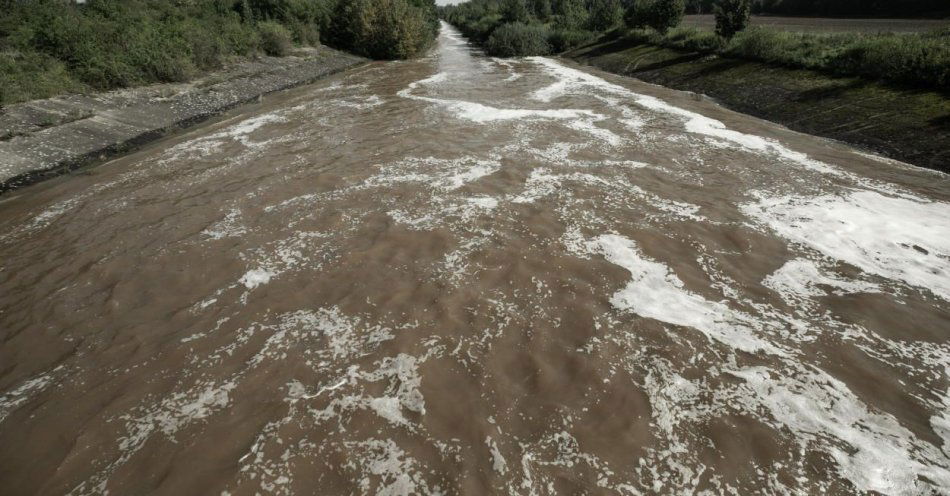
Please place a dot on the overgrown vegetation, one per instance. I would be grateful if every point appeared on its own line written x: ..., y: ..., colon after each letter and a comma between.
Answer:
x: 514, y: 39
x: 48, y: 47
x: 383, y: 29
x: 914, y: 59
x: 538, y: 27
x: 533, y: 27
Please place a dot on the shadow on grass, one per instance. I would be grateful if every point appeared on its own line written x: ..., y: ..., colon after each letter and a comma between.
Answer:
x: 831, y: 91
x: 612, y: 47
x: 942, y: 121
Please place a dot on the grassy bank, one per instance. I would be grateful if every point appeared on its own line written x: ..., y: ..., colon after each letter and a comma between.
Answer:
x: 50, y: 47
x: 916, y: 59
x: 912, y: 125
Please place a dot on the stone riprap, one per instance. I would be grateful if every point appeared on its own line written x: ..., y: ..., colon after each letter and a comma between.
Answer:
x: 45, y: 138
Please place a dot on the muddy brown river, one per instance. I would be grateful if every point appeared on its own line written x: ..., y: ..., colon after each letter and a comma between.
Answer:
x: 465, y: 275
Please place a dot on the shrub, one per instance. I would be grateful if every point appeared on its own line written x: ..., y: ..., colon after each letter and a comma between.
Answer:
x: 276, y: 40
x: 917, y: 59
x: 33, y: 75
x: 564, y: 40
x: 514, y: 11
x: 604, y: 15
x: 570, y: 14
x: 732, y: 16
x: 907, y: 58
x: 384, y: 29
x: 635, y: 16
x: 662, y: 15
x: 517, y: 40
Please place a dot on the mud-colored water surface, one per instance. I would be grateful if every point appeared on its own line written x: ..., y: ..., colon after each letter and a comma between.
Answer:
x: 463, y: 275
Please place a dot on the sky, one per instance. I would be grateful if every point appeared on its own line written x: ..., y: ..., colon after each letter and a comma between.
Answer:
x: 446, y: 2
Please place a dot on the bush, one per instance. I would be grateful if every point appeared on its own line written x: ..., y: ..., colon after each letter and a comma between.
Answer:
x: 33, y: 75
x: 514, y: 11
x: 636, y: 15
x: 517, y: 40
x: 384, y: 29
x: 570, y: 14
x: 732, y: 16
x: 564, y: 40
x: 916, y: 59
x: 908, y: 58
x: 662, y: 15
x: 604, y: 15
x: 276, y: 40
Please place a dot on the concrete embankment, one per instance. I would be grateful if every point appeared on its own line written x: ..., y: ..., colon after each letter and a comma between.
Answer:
x: 911, y: 125
x: 45, y: 138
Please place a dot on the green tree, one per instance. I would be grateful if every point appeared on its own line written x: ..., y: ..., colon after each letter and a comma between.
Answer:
x: 571, y: 14
x: 662, y: 15
x: 383, y: 29
x: 541, y: 9
x: 518, y: 40
x: 732, y: 16
x: 636, y: 15
x: 513, y: 11
x: 604, y: 15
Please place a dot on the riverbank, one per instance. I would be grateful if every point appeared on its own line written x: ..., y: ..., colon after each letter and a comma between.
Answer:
x: 911, y: 125
x: 45, y: 138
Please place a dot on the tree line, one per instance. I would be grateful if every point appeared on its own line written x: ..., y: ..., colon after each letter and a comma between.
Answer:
x: 836, y: 8
x: 538, y: 27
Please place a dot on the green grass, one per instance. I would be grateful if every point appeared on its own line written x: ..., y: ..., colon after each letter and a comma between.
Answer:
x: 916, y: 59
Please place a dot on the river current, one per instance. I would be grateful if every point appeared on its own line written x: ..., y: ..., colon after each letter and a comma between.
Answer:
x: 467, y: 275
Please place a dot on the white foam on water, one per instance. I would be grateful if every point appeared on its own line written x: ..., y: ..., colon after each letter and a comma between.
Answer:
x: 485, y: 202
x: 443, y: 174
x: 389, y: 408
x: 362, y: 102
x: 228, y: 227
x: 568, y: 80
x: 542, y: 182
x: 13, y: 399
x: 896, y: 238
x: 168, y: 416
x: 301, y: 249
x: 394, y: 472
x: 465, y: 176
x: 941, y: 421
x: 498, y: 460
x: 801, y: 279
x: 457, y: 264
x: 248, y: 126
x: 256, y: 277
x: 479, y: 113
x: 341, y: 336
x: 654, y: 292
x: 879, y: 454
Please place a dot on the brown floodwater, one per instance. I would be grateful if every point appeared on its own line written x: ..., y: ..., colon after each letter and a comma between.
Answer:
x: 465, y: 275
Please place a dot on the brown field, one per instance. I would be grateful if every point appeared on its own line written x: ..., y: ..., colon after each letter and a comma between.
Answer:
x: 826, y: 25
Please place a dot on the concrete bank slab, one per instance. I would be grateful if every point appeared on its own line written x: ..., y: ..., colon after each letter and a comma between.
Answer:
x: 45, y: 138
